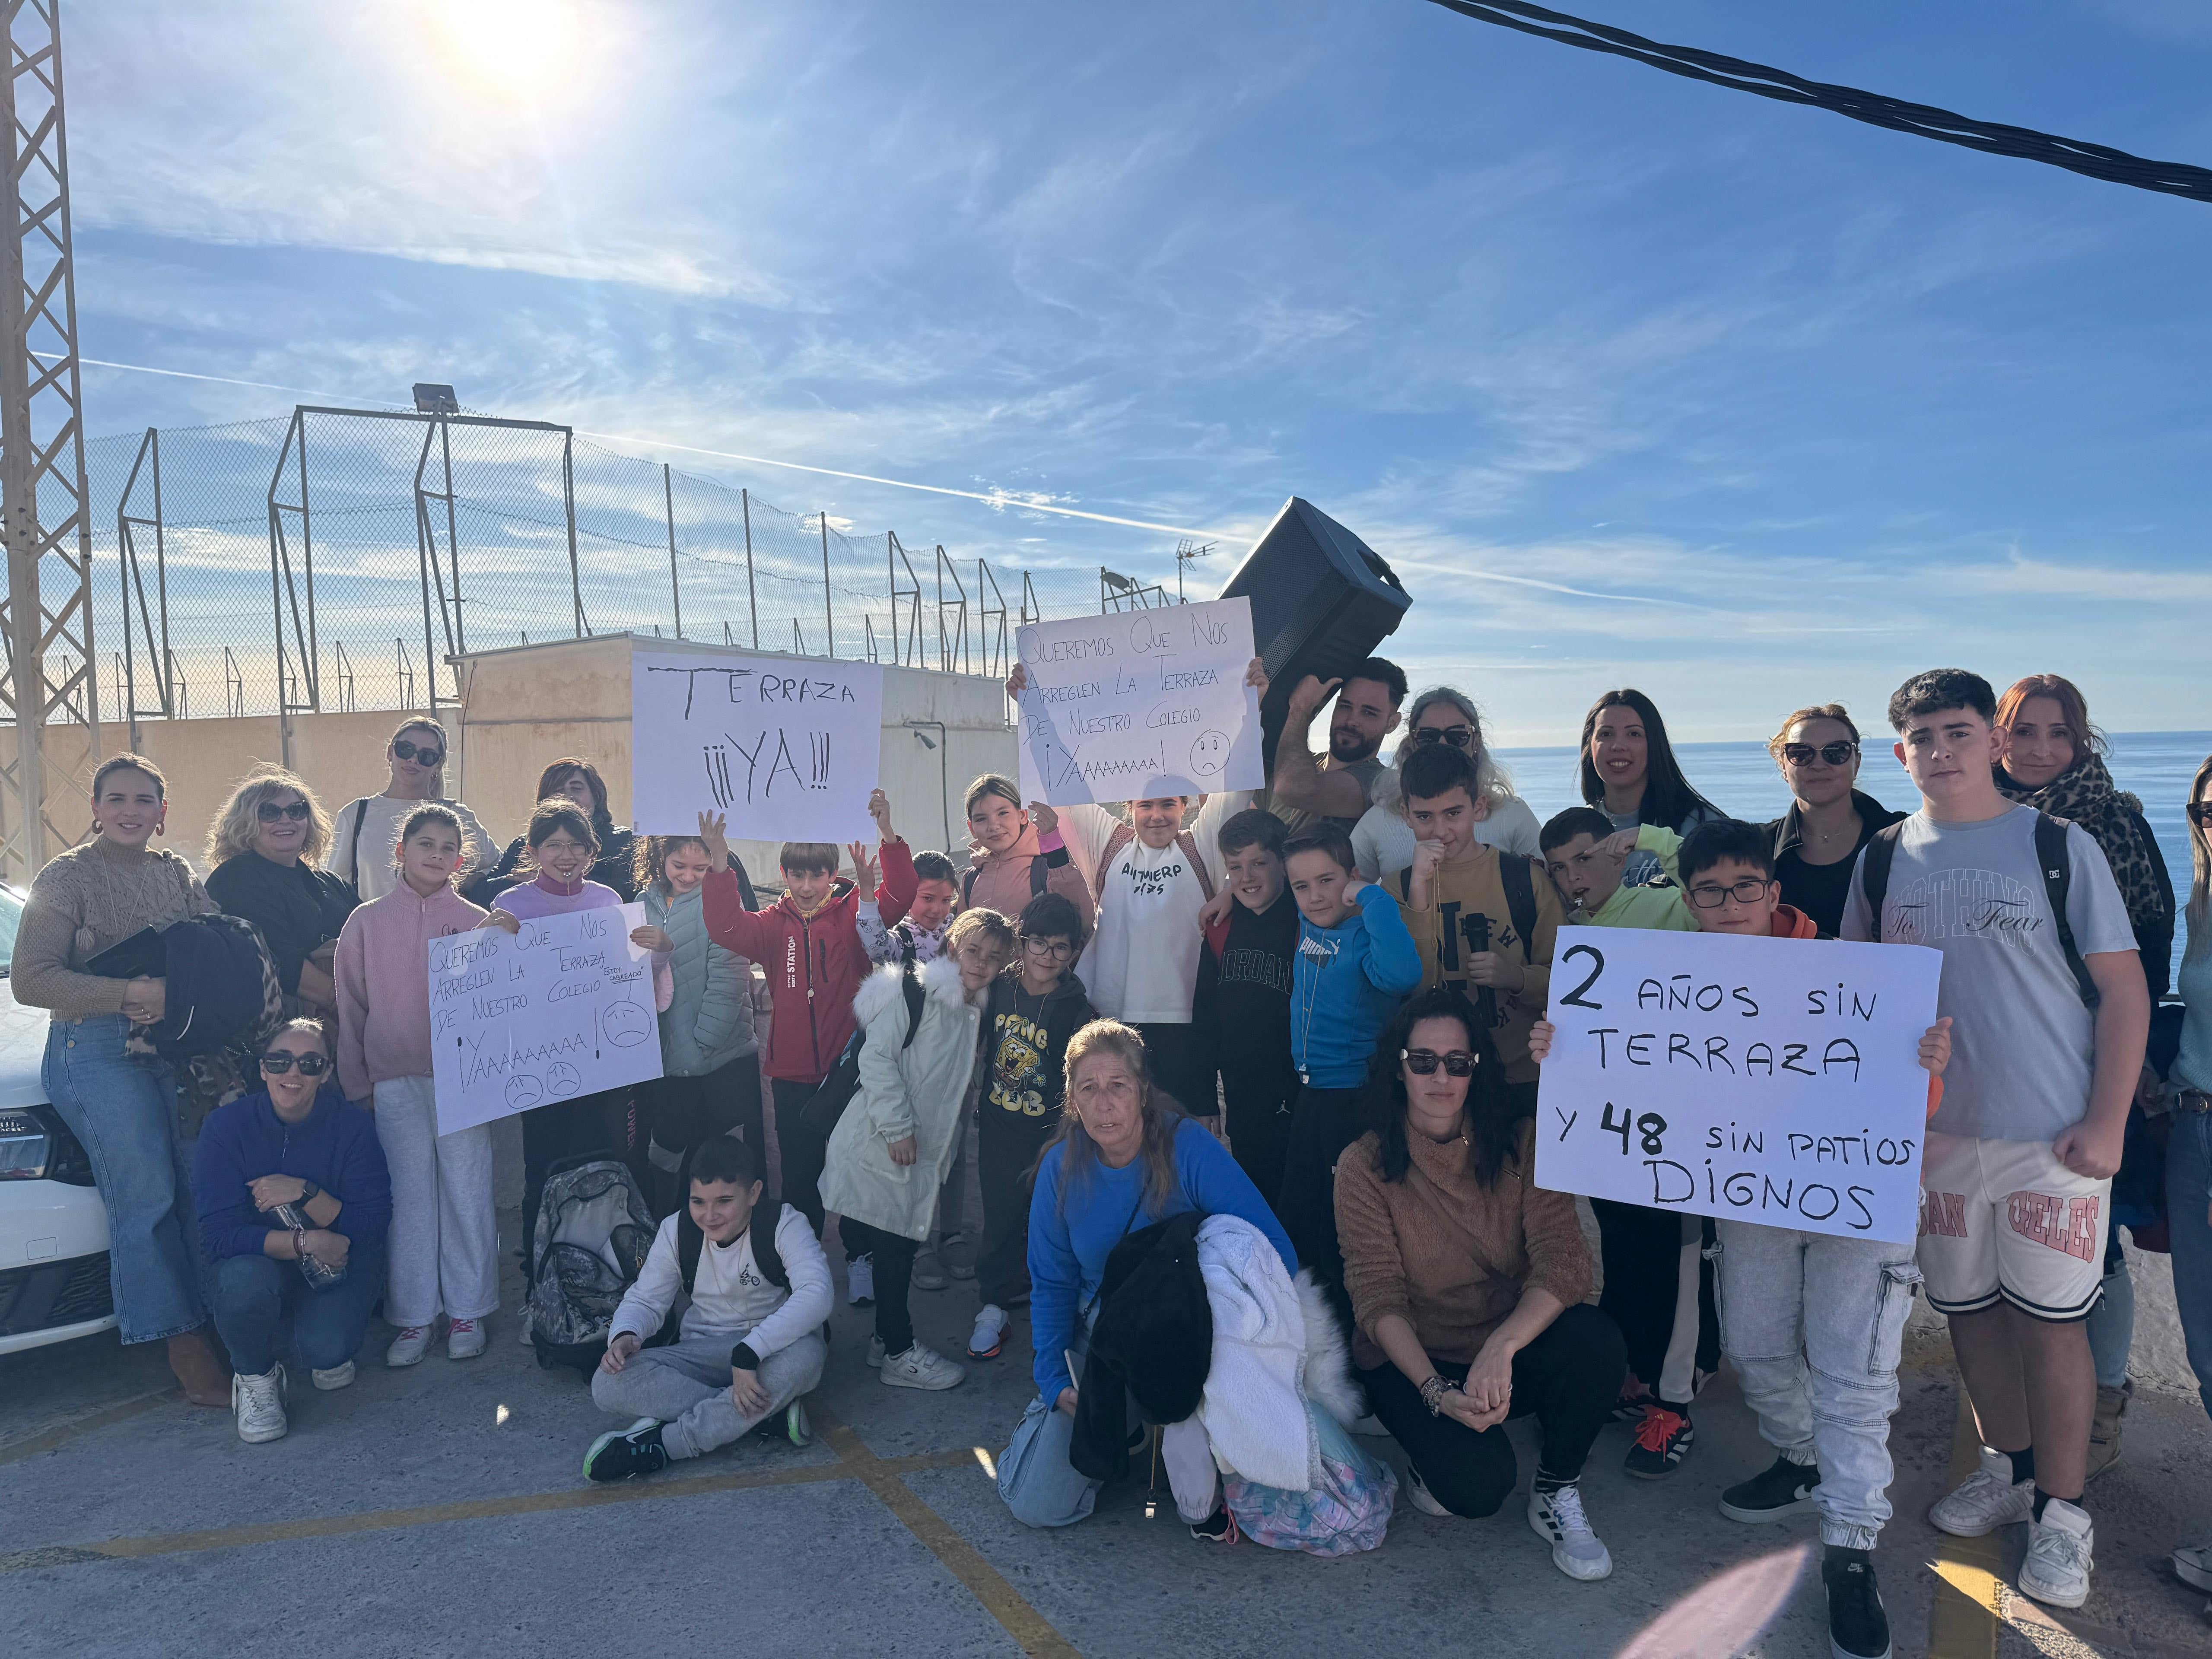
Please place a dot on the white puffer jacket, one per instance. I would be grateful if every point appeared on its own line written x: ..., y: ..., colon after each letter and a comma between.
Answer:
x: 912, y: 1091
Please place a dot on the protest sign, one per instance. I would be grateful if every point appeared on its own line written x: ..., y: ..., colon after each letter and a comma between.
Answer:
x: 1141, y: 704
x: 561, y: 1009
x: 1769, y: 1080
x: 789, y: 747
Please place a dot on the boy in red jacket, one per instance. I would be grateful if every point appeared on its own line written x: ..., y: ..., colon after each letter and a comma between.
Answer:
x: 809, y: 941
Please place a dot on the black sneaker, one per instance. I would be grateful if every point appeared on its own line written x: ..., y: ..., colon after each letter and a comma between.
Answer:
x: 1219, y: 1528
x: 1663, y: 1442
x: 1783, y: 1489
x: 1858, y: 1628
x: 634, y: 1450
x: 1634, y: 1398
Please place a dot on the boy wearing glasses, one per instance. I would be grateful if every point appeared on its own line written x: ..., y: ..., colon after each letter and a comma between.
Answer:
x: 1037, y: 1005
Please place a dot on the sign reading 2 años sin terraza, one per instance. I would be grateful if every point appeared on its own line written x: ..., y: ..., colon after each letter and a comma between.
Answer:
x: 1768, y: 1080
x: 561, y: 1009
x: 787, y: 747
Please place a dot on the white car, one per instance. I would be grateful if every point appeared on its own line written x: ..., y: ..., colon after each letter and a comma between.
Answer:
x: 53, y: 1228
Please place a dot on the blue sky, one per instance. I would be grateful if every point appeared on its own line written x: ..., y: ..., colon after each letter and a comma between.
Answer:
x: 1636, y: 380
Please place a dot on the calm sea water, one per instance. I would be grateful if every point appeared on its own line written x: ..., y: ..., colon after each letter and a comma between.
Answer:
x: 1740, y: 778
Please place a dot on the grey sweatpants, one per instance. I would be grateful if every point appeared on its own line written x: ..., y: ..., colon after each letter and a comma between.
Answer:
x: 687, y: 1386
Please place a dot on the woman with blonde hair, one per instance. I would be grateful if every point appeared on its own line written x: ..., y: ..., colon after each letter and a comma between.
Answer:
x: 1124, y: 1158
x: 365, y: 838
x: 264, y: 853
x: 1383, y: 842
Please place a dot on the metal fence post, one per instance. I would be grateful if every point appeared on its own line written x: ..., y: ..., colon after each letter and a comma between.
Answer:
x: 752, y: 600
x: 675, y: 591
x: 829, y: 616
x: 568, y: 498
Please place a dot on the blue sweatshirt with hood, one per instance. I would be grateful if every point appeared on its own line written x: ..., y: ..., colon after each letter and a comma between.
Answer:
x: 1346, y: 985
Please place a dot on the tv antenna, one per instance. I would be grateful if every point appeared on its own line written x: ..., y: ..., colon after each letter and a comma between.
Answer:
x: 1188, y: 552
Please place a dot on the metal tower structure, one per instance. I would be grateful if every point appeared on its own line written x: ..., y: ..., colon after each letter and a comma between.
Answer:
x: 42, y: 498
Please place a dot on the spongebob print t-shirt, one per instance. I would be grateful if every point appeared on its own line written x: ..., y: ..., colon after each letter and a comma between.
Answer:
x: 1017, y: 1059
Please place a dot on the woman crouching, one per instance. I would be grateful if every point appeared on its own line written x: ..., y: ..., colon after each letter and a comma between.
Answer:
x: 1466, y: 1283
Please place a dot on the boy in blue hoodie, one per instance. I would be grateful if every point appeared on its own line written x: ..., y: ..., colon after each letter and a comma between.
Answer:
x: 1356, y: 963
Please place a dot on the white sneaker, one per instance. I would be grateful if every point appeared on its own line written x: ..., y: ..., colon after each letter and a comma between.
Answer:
x: 2059, y: 1548
x: 2192, y: 1566
x: 1558, y: 1518
x: 410, y: 1346
x: 1984, y: 1500
x: 875, y: 1352
x: 337, y: 1376
x: 923, y: 1367
x: 860, y: 1280
x: 1424, y: 1500
x: 990, y: 1333
x: 464, y: 1338
x: 258, y: 1404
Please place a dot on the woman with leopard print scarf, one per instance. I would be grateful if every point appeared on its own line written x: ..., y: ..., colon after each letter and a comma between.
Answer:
x: 2054, y: 761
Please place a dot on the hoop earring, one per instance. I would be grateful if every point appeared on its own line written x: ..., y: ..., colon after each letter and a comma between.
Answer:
x: 95, y: 826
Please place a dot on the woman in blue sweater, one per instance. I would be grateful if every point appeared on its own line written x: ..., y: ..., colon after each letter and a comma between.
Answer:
x: 1124, y: 1158
x: 294, y: 1201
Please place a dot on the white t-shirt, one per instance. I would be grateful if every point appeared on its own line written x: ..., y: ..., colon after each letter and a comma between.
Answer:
x: 380, y: 817
x: 1383, y: 842
x: 2023, y: 1047
x: 1142, y: 967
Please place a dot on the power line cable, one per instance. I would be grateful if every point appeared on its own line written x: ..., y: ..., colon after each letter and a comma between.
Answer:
x: 1923, y: 120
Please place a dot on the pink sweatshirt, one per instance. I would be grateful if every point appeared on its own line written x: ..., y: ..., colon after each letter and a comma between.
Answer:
x: 384, y: 1032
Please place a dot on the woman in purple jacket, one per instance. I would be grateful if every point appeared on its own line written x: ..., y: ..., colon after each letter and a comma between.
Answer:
x: 293, y: 1202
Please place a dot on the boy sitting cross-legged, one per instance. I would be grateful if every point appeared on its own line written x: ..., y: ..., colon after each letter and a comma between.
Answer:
x: 751, y: 1340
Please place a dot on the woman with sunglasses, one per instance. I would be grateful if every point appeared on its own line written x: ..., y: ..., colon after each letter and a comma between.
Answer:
x: 1817, y: 842
x: 445, y: 1234
x: 1383, y: 842
x: 1466, y: 1283
x: 365, y: 839
x: 263, y: 853
x: 294, y: 1204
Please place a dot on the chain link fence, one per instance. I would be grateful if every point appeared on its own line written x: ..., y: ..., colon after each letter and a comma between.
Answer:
x: 334, y: 560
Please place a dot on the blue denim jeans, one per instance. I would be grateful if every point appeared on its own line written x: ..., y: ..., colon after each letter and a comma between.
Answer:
x: 253, y: 1293
x: 1814, y: 1325
x: 2188, y: 1191
x: 125, y: 1114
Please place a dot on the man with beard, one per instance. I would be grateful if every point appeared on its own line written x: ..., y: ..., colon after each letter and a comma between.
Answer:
x: 1307, y: 792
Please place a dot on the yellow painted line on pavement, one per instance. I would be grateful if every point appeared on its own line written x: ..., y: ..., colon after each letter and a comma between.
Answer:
x: 480, y: 1508
x: 961, y: 1559
x: 61, y: 1435
x: 1963, y: 1619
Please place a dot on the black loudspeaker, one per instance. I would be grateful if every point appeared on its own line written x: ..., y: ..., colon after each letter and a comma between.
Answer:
x: 1322, y: 600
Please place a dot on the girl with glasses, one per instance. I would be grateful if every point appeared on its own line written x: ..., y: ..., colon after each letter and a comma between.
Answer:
x: 1383, y: 842
x: 445, y: 1237
x: 1467, y: 1282
x: 1817, y: 842
x: 294, y: 1203
x: 365, y: 839
x: 264, y: 855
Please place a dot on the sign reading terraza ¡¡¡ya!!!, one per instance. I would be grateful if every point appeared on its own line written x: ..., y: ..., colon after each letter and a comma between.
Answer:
x: 1768, y: 1080
x: 1140, y: 703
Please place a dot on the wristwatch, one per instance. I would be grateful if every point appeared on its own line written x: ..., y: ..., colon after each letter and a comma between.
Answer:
x: 308, y: 1191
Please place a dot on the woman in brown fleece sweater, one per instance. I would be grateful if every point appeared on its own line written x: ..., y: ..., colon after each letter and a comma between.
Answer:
x: 1467, y: 1282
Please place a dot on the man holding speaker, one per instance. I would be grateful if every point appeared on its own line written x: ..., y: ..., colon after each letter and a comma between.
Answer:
x: 1306, y: 791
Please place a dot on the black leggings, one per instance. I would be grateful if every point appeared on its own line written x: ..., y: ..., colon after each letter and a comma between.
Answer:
x: 1006, y: 1150
x: 894, y: 1257
x: 1323, y: 1123
x: 1569, y: 1378
x: 1647, y: 1253
x: 805, y: 1152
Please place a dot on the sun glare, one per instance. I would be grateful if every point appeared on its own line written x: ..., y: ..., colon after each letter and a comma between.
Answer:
x: 523, y: 52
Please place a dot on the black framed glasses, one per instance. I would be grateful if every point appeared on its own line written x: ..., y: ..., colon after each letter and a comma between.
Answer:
x: 1051, y: 950
x: 422, y: 754
x: 1835, y: 754
x: 2200, y: 814
x: 1458, y: 737
x: 278, y: 1062
x: 1746, y: 891
x: 1423, y: 1063
x: 269, y: 812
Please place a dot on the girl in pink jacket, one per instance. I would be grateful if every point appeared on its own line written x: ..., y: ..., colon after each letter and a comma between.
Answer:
x: 443, y: 1253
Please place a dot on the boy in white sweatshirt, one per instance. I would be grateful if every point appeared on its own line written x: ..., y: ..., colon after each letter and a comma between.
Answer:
x: 751, y: 1340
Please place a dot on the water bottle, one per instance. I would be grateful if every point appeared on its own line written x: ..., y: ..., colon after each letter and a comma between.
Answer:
x: 319, y: 1274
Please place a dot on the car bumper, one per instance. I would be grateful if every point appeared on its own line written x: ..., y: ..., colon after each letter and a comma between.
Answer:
x: 54, y: 1301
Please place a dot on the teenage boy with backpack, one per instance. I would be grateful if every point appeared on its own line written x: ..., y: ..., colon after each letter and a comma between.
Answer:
x: 1814, y: 1321
x: 1037, y: 1005
x: 809, y: 941
x: 1242, y: 1005
x: 751, y: 1343
x: 2042, y: 978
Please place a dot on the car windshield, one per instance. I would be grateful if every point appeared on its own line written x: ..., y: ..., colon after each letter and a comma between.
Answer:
x: 11, y: 912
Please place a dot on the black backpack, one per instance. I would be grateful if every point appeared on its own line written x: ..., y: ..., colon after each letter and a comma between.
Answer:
x: 828, y: 1103
x: 2052, y: 857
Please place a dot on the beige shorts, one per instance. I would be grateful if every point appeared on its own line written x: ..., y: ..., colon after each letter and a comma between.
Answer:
x: 2005, y: 1219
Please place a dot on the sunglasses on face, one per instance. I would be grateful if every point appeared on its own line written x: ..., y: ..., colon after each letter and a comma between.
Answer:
x: 1744, y: 893
x: 1423, y: 1063
x: 310, y: 1065
x: 269, y: 812
x: 2200, y: 814
x: 1836, y: 753
x: 1458, y: 737
x: 403, y: 749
